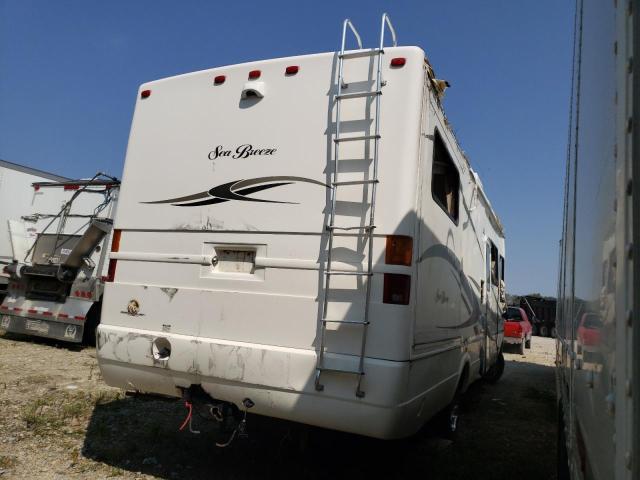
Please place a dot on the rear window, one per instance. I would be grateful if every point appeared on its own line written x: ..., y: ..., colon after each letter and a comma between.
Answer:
x: 513, y: 314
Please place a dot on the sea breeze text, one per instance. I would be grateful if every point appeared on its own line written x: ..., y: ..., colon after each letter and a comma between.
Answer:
x: 243, y: 151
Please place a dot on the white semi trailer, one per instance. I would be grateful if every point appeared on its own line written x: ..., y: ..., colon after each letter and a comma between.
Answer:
x: 59, y: 259
x: 304, y: 236
x: 598, y: 310
x: 16, y: 198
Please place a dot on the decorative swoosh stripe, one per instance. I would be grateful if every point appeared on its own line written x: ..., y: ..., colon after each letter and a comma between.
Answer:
x: 237, y: 190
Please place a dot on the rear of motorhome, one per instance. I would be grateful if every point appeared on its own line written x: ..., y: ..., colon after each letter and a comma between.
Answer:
x: 59, y: 259
x: 304, y: 236
x: 16, y: 198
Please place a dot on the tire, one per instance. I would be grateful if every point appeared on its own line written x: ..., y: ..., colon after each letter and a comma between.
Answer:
x: 534, y: 330
x: 554, y: 332
x: 91, y: 325
x: 448, y: 420
x: 562, y: 454
x: 544, y: 331
x: 521, y: 346
x: 496, y: 370
x: 527, y: 344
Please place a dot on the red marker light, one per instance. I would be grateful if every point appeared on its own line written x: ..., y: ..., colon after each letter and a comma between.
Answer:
x: 36, y: 187
x: 219, y: 80
x: 253, y: 74
x: 398, y: 62
x: 292, y: 70
x: 71, y: 187
x: 145, y: 94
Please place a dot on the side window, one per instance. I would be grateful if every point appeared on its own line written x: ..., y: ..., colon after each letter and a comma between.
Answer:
x: 502, y: 268
x: 494, y: 265
x: 445, y: 181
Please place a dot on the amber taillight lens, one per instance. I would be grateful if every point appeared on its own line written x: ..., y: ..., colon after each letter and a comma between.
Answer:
x: 115, y: 246
x: 399, y: 250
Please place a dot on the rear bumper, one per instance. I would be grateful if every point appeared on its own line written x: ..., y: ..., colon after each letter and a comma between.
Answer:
x: 279, y: 380
x: 513, y: 340
x: 66, y: 331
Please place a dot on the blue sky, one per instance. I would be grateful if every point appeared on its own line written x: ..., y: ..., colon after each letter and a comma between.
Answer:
x: 70, y: 69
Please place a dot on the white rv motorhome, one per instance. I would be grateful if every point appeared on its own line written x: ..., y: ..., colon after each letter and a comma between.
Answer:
x: 59, y: 259
x: 304, y: 235
x: 598, y: 312
x: 16, y: 198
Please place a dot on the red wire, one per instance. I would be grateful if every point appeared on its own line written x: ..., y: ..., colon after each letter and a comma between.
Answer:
x: 186, y: 420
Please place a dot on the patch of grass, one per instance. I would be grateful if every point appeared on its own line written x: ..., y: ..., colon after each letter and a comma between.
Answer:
x: 51, y: 411
x: 38, y: 379
x: 7, y: 462
x: 115, y: 472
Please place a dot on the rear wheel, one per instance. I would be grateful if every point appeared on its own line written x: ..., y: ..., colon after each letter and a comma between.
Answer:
x: 554, y: 332
x: 496, y: 370
x: 527, y: 344
x: 91, y: 324
x: 544, y: 331
x: 448, y: 420
x: 521, y: 346
x: 534, y: 330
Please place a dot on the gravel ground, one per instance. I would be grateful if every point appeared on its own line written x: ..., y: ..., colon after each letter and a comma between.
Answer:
x: 59, y: 421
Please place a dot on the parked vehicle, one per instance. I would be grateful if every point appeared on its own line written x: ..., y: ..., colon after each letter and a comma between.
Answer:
x: 598, y: 319
x: 542, y: 314
x: 517, y: 328
x: 16, y: 199
x: 59, y: 260
x: 251, y: 271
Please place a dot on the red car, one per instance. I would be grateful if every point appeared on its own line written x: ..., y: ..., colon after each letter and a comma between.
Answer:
x: 517, y: 328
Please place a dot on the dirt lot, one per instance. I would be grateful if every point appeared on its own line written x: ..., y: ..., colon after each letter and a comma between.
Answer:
x: 59, y: 421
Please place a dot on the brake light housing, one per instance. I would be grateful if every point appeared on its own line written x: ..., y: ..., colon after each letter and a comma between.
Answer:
x: 115, y: 246
x: 399, y: 250
x: 397, y: 289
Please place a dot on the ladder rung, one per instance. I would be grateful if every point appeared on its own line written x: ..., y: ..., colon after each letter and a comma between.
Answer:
x: 352, y: 322
x: 353, y: 139
x: 355, y: 182
x: 365, y: 227
x: 346, y: 96
x: 361, y: 53
x: 340, y: 272
x: 340, y: 370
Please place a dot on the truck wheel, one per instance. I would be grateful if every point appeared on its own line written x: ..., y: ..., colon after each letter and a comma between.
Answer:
x: 554, y: 332
x: 527, y: 344
x: 496, y: 370
x: 534, y: 330
x: 91, y: 325
x: 544, y: 331
x: 521, y: 346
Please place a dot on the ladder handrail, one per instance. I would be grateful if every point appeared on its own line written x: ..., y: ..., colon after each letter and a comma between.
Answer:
x: 347, y: 23
x: 367, y: 229
x: 387, y: 20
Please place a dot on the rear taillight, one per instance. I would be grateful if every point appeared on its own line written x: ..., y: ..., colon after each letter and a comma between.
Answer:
x: 291, y: 70
x: 219, y: 80
x: 145, y: 94
x: 396, y: 288
x: 253, y: 74
x: 115, y: 246
x: 398, y: 62
x: 399, y: 250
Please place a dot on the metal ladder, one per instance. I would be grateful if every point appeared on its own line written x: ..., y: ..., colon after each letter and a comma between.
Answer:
x: 366, y: 229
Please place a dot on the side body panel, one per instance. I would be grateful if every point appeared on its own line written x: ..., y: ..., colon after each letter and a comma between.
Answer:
x: 594, y: 314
